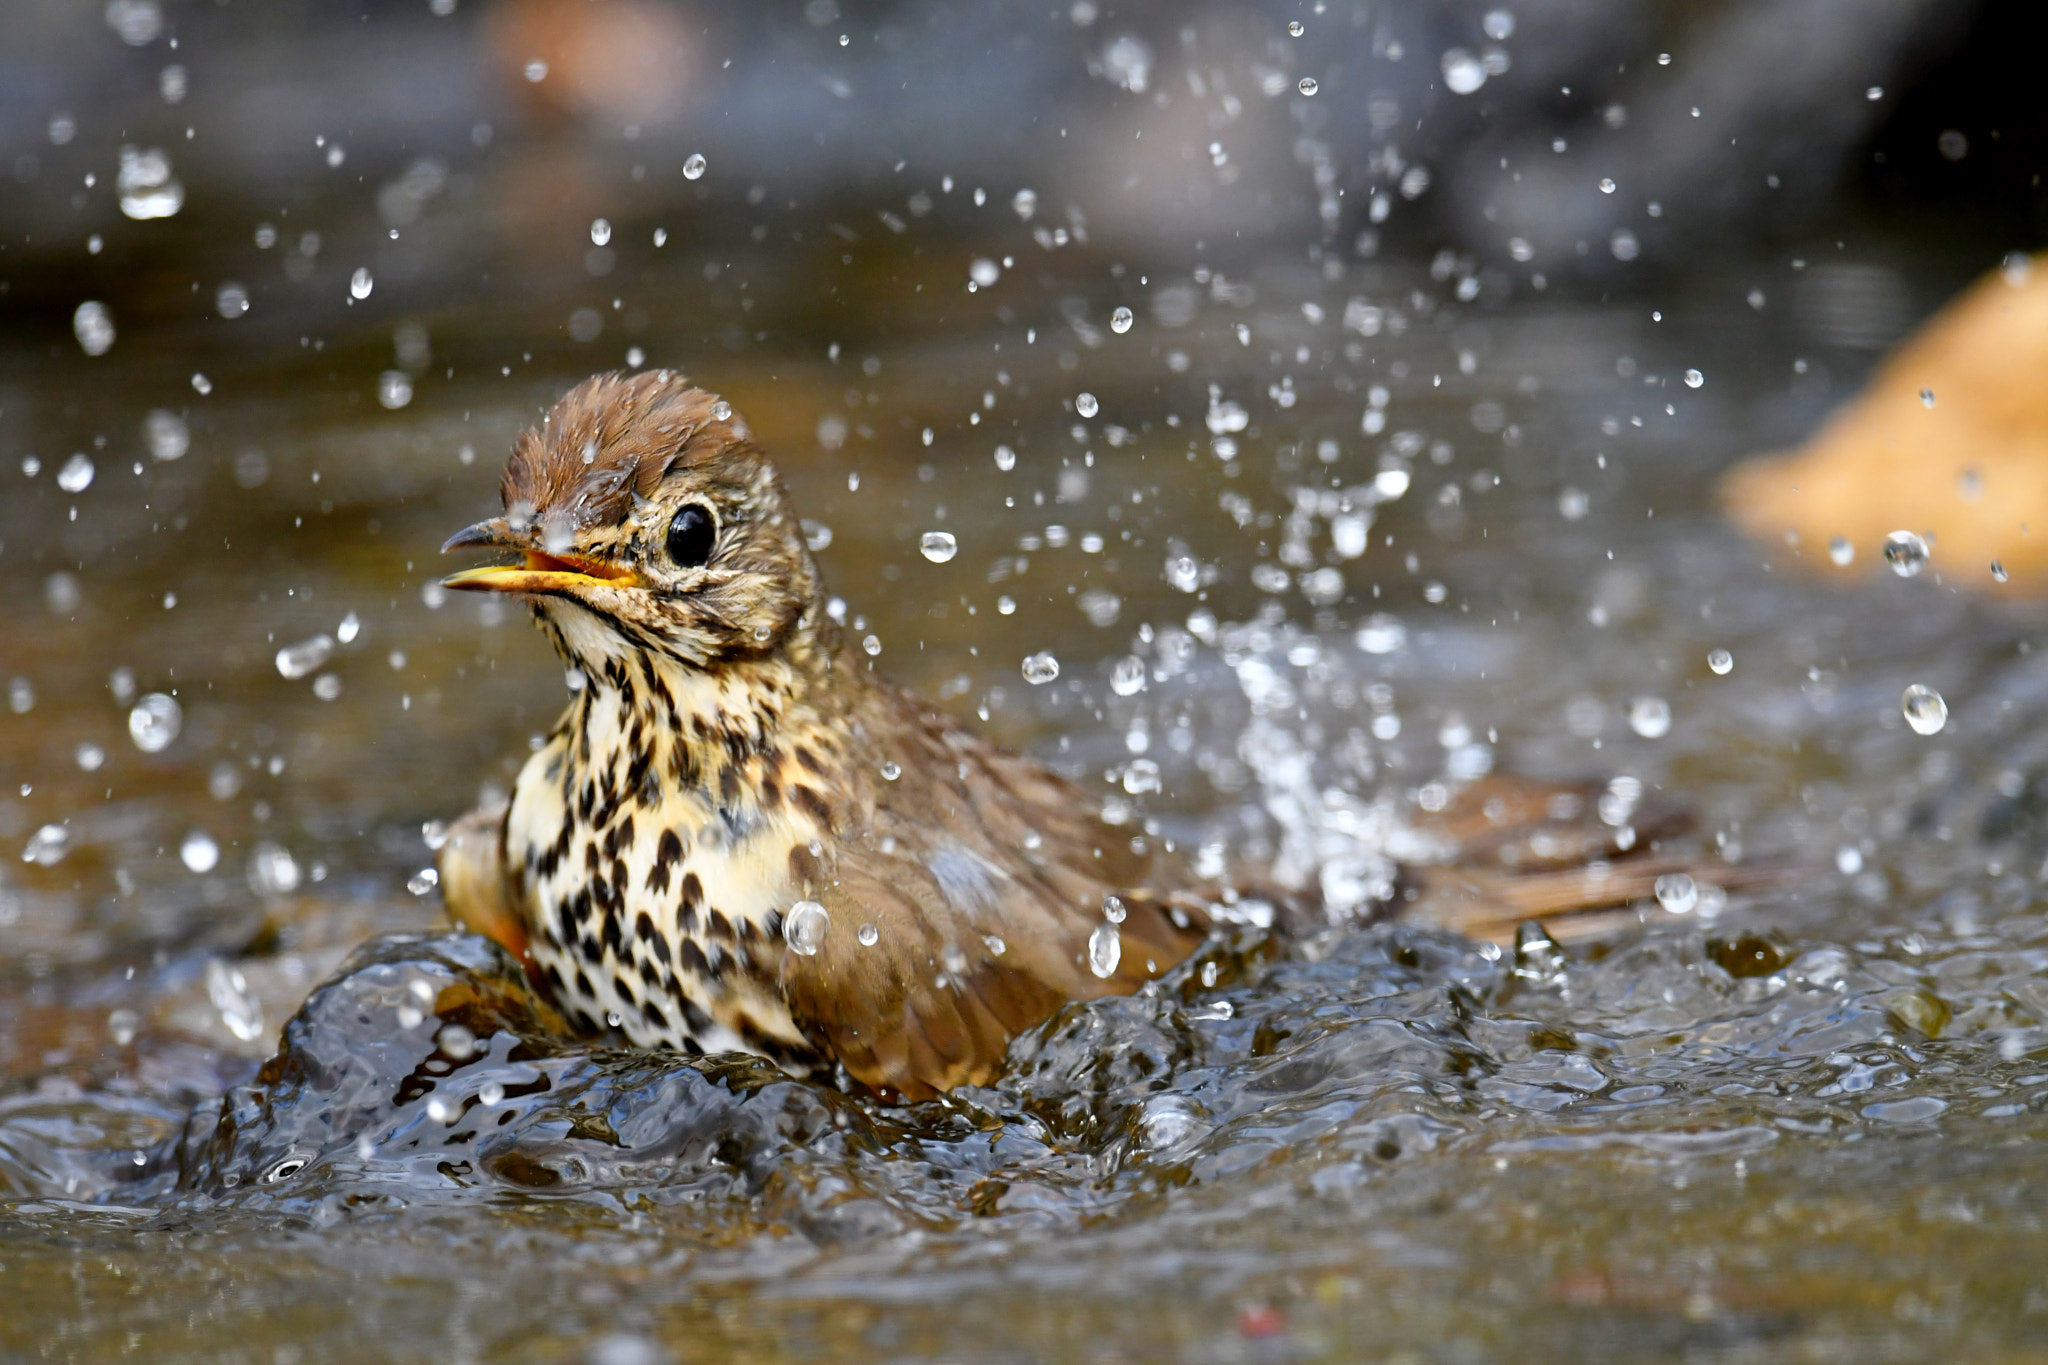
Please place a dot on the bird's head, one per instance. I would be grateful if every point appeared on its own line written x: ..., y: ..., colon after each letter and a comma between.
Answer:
x: 648, y: 521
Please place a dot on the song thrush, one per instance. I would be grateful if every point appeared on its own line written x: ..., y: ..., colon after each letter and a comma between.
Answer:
x: 740, y: 836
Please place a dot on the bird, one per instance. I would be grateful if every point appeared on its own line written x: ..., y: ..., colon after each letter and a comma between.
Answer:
x: 741, y: 836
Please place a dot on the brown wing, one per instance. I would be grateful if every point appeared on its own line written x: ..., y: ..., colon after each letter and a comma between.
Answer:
x: 1509, y: 850
x: 984, y: 877
x: 474, y: 884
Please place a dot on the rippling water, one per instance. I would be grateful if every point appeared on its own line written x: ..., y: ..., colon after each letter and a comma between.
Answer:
x: 1799, y: 1123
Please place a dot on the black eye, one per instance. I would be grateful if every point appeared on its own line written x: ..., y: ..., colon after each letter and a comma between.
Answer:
x: 690, y: 537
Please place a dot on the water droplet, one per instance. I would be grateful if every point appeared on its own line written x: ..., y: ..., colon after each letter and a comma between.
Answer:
x: 90, y: 757
x: 1925, y: 711
x: 296, y: 661
x: 600, y: 232
x: 1024, y: 203
x: 693, y: 169
x: 394, y: 389
x: 423, y: 881
x: 1085, y: 404
x: 1677, y: 893
x: 1927, y: 398
x: 721, y: 411
x: 166, y: 434
x: 349, y: 628
x: 361, y: 283
x: 984, y: 272
x: 1906, y: 552
x: 1693, y: 379
x: 1720, y: 661
x: 1105, y: 950
x: 536, y: 71
x: 1113, y: 909
x: 1498, y: 25
x: 75, y: 476
x: 1463, y: 72
x: 1998, y: 572
x: 47, y: 846
x: 199, y: 852
x: 868, y: 935
x: 155, y: 722
x: 1295, y: 29
x: 804, y: 927
x: 1307, y: 85
x: 1128, y: 677
x: 231, y: 300
x: 1650, y: 717
x: 93, y: 325
x: 1006, y: 459
x: 146, y: 186
x: 1120, y: 320
x: 938, y: 546
x: 490, y: 1094
x: 1606, y: 186
x: 122, y: 1026
x: 872, y: 645
x: 1848, y: 860
x: 891, y: 770
x: 1040, y: 668
x: 1841, y: 551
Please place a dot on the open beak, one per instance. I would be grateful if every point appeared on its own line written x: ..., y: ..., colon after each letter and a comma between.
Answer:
x: 540, y: 573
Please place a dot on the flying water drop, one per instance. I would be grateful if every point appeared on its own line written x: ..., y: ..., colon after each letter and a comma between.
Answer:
x: 296, y: 661
x: 1085, y: 404
x: 1925, y: 711
x: 361, y: 283
x: 199, y: 852
x: 938, y: 546
x: 1295, y: 29
x: 1998, y: 572
x: 1308, y: 85
x: 1128, y: 677
x: 1677, y: 893
x: 1650, y: 717
x: 1105, y: 951
x: 1720, y: 661
x: 75, y: 475
x: 1906, y: 552
x: 693, y: 169
x: 1040, y: 668
x: 1693, y: 379
x: 47, y: 846
x: 868, y: 935
x: 1841, y: 552
x: 166, y: 434
x: 93, y: 325
x: 155, y: 722
x: 1120, y: 320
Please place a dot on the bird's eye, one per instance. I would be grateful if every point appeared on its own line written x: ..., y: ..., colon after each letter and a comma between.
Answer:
x: 690, y: 537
